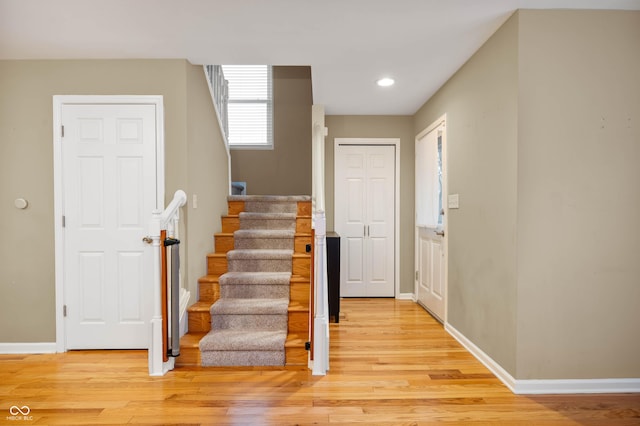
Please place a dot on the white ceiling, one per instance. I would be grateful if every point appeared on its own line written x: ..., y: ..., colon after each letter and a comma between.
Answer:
x: 348, y: 43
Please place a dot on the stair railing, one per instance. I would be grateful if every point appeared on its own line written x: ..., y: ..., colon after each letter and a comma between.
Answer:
x: 320, y: 300
x: 162, y: 222
x: 219, y: 91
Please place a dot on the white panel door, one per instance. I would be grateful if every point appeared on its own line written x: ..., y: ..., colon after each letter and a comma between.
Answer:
x: 109, y: 187
x: 430, y: 241
x: 365, y: 219
x: 431, y: 291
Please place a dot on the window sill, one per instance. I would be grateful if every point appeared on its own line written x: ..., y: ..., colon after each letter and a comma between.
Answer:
x: 260, y: 147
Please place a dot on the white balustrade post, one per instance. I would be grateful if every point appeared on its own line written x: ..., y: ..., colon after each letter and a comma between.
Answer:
x: 321, y: 296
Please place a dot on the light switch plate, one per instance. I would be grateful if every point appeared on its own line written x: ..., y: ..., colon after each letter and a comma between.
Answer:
x: 453, y: 201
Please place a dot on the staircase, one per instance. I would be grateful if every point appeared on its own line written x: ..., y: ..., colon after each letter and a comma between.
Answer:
x: 254, y: 301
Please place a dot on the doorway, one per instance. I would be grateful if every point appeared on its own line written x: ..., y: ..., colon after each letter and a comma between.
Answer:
x: 366, y: 214
x: 431, y: 223
x: 108, y: 179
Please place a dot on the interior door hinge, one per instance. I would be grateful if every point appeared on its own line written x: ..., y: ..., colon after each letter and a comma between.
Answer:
x: 64, y: 310
x: 62, y: 131
x: 64, y: 221
x: 416, y: 275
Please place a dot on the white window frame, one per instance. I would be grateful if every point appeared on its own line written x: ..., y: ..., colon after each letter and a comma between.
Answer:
x: 269, y: 102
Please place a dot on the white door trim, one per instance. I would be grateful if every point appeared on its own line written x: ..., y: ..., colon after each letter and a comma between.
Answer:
x: 383, y: 141
x: 58, y: 102
x: 441, y: 121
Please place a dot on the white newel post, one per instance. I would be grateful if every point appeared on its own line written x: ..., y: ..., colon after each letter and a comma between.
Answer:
x: 321, y: 297
x: 321, y: 319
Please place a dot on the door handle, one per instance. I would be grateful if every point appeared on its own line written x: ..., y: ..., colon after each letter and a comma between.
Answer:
x: 441, y: 233
x: 147, y: 240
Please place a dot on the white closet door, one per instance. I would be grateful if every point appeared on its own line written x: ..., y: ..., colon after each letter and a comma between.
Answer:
x: 365, y: 219
x: 109, y: 185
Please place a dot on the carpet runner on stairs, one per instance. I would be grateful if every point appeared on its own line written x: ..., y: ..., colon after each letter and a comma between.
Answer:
x: 249, y: 321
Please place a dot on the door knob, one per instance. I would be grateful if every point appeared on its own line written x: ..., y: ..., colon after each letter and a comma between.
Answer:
x: 147, y: 240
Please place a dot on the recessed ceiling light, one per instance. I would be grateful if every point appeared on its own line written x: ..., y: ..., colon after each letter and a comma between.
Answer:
x: 385, y: 82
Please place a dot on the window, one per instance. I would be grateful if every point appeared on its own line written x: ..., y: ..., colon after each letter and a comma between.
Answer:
x: 250, y: 106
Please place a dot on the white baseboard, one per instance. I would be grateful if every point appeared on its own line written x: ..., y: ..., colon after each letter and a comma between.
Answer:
x: 577, y: 386
x: 550, y: 386
x: 28, y: 348
x: 405, y: 296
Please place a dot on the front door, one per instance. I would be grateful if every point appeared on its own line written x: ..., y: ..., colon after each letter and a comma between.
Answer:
x: 365, y: 219
x: 109, y: 187
x: 431, y: 252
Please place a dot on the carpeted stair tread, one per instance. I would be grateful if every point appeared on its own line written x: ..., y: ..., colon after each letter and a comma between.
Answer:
x: 266, y: 216
x: 250, y: 307
x: 249, y: 254
x: 249, y: 322
x: 274, y: 198
x: 264, y: 233
x: 244, y: 340
x: 273, y: 239
x: 256, y: 278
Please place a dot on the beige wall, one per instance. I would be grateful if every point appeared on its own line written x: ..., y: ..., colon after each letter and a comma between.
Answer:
x: 27, y: 286
x: 285, y: 170
x: 379, y: 127
x: 579, y: 195
x: 544, y: 148
x: 207, y: 176
x: 480, y: 102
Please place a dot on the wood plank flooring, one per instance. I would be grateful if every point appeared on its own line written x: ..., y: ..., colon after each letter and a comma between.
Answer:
x: 391, y: 364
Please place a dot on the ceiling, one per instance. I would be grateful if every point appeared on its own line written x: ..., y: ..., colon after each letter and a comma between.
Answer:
x: 348, y: 43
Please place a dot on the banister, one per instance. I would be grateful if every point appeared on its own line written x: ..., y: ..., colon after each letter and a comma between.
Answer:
x: 161, y: 220
x: 173, y: 209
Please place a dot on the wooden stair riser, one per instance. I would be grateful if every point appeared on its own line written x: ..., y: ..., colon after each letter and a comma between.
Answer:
x: 199, y: 322
x: 189, y: 357
x: 299, y: 293
x: 189, y: 350
x: 304, y: 208
x: 230, y: 224
x: 298, y: 322
x: 303, y: 225
x: 300, y: 243
x: 216, y: 264
x: 209, y: 291
x: 234, y: 207
x: 301, y: 265
x: 223, y: 242
x: 296, y: 356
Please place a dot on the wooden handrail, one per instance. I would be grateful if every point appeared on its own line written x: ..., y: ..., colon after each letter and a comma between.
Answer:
x: 163, y: 292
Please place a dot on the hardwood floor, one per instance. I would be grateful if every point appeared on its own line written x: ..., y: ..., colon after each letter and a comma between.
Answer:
x: 391, y: 364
